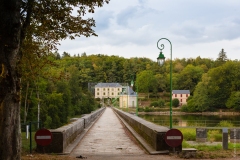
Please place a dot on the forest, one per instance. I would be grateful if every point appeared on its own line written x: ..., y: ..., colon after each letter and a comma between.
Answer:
x: 58, y: 84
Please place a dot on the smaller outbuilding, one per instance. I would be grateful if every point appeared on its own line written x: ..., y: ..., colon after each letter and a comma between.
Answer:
x: 181, y: 95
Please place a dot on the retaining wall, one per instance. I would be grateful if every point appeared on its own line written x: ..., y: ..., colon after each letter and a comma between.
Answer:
x: 153, y: 134
x: 65, y: 135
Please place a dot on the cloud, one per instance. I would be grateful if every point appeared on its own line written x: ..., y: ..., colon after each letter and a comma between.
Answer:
x: 131, y: 28
x: 102, y: 19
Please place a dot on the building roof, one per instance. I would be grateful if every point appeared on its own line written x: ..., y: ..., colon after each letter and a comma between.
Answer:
x: 180, y: 91
x: 108, y: 85
x: 129, y: 91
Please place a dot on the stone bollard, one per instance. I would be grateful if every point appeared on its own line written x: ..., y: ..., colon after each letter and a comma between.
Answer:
x: 201, y: 134
x: 225, y: 138
x: 235, y: 135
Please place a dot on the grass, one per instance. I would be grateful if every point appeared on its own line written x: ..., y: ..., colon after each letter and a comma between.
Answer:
x: 26, y: 142
x: 209, y: 151
x: 189, y: 134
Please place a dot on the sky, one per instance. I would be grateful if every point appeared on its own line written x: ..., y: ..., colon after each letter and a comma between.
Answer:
x: 132, y: 28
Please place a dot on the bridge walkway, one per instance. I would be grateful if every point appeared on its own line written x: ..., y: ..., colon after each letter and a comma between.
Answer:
x: 109, y: 139
x: 108, y: 136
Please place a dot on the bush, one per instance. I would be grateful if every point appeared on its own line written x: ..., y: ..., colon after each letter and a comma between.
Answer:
x: 140, y: 109
x: 214, y: 135
x: 175, y: 102
x: 155, y: 104
x: 184, y: 108
x: 167, y: 104
x: 159, y: 103
x: 147, y: 109
x: 225, y: 124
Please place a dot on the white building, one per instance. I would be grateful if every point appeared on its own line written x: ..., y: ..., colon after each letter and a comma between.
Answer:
x: 107, y: 90
x: 127, y: 97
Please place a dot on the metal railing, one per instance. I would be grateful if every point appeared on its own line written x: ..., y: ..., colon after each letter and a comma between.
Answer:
x: 29, y: 127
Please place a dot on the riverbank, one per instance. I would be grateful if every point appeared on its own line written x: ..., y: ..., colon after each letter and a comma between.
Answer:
x: 191, y: 113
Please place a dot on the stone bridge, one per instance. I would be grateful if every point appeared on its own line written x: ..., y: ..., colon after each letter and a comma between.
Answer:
x: 109, y: 132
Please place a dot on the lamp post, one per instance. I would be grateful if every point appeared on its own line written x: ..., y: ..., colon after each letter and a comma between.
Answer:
x: 132, y: 83
x: 161, y: 60
x: 137, y: 102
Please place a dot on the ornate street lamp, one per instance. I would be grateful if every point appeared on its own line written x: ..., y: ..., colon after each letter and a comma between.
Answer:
x: 132, y: 83
x: 161, y: 60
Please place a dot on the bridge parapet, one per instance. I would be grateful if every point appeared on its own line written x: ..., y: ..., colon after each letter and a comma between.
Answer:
x: 153, y: 134
x: 65, y: 135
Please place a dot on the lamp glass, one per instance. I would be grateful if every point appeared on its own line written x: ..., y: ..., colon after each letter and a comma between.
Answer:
x: 161, y: 59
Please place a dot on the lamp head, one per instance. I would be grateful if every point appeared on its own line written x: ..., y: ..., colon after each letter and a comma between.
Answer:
x: 161, y: 59
x: 132, y: 83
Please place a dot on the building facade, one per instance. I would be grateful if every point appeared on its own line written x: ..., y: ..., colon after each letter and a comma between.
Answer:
x: 181, y: 95
x: 126, y: 96
x: 107, y: 90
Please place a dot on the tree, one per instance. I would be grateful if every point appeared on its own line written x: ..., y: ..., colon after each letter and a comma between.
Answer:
x: 146, y: 81
x: 215, y: 88
x: 222, y: 58
x: 189, y: 77
x: 46, y: 23
x: 234, y: 101
x: 201, y: 99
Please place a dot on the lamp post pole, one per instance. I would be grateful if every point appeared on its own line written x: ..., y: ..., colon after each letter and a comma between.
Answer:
x: 161, y: 60
x: 137, y: 102
x: 132, y: 83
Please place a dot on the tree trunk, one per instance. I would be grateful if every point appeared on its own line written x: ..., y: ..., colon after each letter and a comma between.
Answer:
x: 10, y: 133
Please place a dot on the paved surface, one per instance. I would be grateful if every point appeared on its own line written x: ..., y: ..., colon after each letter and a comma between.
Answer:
x: 107, y: 137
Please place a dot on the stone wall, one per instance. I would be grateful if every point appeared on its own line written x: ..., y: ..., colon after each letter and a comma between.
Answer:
x: 65, y: 135
x: 153, y: 134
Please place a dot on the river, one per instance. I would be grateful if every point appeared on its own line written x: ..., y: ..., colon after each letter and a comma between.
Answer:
x: 192, y: 120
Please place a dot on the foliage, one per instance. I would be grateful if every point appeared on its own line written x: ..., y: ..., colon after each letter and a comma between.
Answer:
x: 146, y: 81
x: 175, y: 102
x: 189, y: 134
x: 159, y: 103
x: 184, y: 108
x: 189, y: 77
x: 234, y: 101
x: 214, y: 135
x: 225, y: 124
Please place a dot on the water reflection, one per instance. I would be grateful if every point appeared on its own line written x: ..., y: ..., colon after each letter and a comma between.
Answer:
x: 192, y: 120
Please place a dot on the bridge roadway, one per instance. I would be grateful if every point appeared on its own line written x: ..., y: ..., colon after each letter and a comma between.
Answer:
x: 108, y: 139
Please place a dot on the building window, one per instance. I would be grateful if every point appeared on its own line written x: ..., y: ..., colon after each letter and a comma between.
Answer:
x: 186, y: 95
x: 98, y: 93
x: 98, y: 89
x: 175, y: 95
x: 181, y: 95
x: 118, y: 89
x: 104, y: 93
x: 112, y: 93
x: 181, y: 100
